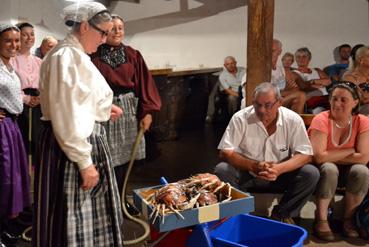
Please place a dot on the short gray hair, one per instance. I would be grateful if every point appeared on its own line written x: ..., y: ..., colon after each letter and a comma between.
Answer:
x: 47, y: 39
x: 229, y: 57
x: 305, y: 51
x: 277, y: 42
x: 288, y: 54
x: 266, y: 87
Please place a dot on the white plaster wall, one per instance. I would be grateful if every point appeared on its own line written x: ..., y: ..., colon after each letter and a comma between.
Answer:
x: 321, y: 26
x: 200, y: 33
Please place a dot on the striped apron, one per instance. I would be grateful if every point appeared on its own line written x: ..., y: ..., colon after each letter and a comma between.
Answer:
x: 122, y: 133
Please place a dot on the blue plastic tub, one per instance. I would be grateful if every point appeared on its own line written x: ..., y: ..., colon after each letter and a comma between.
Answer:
x: 247, y: 230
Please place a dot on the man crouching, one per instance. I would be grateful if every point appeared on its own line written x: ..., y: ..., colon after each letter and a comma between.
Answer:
x: 265, y: 146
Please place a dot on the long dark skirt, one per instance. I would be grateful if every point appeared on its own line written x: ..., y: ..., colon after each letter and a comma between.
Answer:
x: 14, y: 176
x: 24, y: 124
x: 65, y: 215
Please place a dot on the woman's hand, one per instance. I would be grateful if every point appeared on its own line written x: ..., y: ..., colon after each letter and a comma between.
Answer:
x: 146, y: 122
x: 35, y: 101
x: 2, y: 115
x: 116, y: 112
x: 90, y: 177
x: 317, y: 86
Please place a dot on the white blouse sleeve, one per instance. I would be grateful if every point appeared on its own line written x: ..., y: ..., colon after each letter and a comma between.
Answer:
x: 76, y: 99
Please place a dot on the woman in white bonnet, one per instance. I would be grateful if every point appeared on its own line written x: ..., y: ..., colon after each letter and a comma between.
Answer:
x: 14, y: 180
x: 76, y: 197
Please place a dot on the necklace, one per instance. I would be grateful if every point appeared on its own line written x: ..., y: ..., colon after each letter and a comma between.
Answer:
x: 342, y: 127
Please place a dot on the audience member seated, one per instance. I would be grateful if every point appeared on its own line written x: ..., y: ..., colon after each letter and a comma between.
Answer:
x: 266, y: 146
x: 335, y: 71
x: 230, y: 81
x: 340, y: 138
x: 358, y: 73
x: 243, y: 91
x: 46, y: 45
x: 217, y: 105
x: 211, y: 103
x: 287, y: 60
x: 352, y: 59
x: 278, y: 75
x: 292, y: 97
x: 314, y: 82
x: 284, y: 79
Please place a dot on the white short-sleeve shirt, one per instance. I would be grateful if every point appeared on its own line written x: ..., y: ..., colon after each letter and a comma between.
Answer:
x: 278, y: 78
x: 247, y: 135
x: 311, y: 76
x: 229, y: 81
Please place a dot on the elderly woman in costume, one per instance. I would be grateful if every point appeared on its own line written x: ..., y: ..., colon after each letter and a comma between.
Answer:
x: 14, y: 182
x: 76, y: 197
x: 134, y: 91
x: 27, y: 67
x: 340, y: 139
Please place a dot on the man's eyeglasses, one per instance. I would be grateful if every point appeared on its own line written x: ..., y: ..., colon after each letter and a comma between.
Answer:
x: 267, y: 106
x: 103, y: 33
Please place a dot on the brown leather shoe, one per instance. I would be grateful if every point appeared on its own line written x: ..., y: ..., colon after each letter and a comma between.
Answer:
x: 322, y: 235
x: 287, y: 220
x: 348, y: 229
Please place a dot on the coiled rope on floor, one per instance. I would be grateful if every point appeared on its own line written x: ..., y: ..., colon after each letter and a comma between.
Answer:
x: 140, y: 222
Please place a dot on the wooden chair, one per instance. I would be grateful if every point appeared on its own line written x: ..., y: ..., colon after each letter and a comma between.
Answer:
x: 307, y: 119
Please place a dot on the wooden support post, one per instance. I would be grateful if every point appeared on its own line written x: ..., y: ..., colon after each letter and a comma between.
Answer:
x: 259, y: 44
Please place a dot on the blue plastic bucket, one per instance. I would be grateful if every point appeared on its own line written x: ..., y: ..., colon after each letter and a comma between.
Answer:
x: 247, y: 230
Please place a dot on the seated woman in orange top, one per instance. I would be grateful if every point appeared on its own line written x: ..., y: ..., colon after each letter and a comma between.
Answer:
x: 340, y: 140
